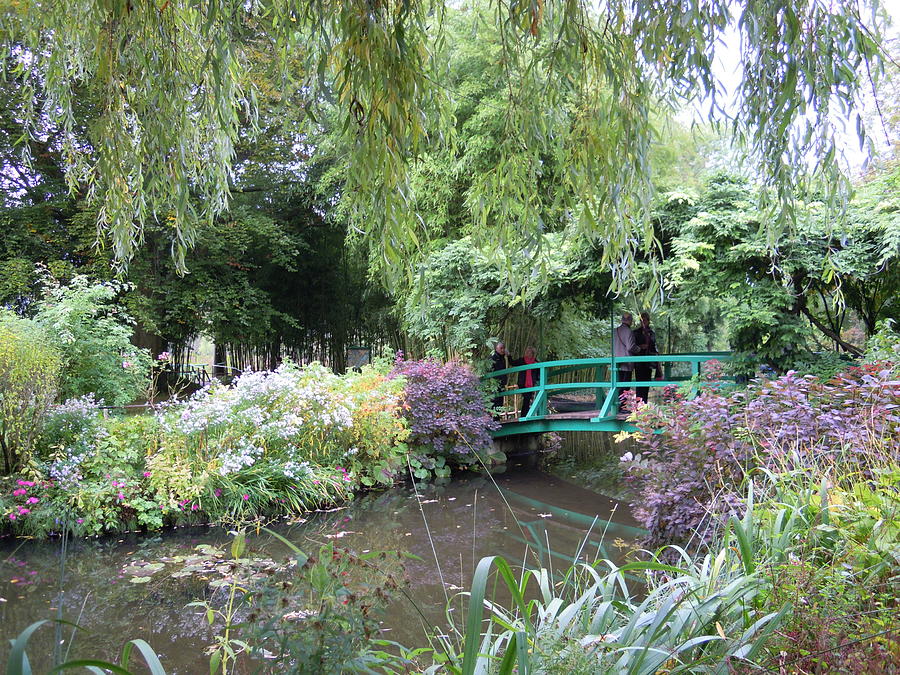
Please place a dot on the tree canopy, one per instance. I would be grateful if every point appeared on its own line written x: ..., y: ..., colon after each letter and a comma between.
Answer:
x: 172, y: 88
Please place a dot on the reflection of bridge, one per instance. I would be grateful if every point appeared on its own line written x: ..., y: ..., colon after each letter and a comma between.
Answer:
x: 595, y: 386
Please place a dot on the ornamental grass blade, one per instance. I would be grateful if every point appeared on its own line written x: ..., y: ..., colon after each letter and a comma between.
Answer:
x: 745, y: 544
x: 300, y: 555
x: 18, y: 659
x: 473, y: 619
x: 150, y: 657
x: 94, y: 665
x: 508, y: 661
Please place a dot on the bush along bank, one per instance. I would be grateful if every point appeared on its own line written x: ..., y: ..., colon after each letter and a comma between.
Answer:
x: 801, y: 473
x: 271, y: 444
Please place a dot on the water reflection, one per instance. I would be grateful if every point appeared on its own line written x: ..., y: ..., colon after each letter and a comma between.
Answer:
x: 533, y: 518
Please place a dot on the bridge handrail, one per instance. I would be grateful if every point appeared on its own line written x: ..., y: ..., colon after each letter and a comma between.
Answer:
x: 698, y: 357
x: 538, y: 408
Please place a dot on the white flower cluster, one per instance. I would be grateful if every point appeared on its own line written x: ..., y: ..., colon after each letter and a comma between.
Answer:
x: 83, y: 405
x: 65, y: 472
x: 297, y: 470
x: 244, y: 454
x: 281, y: 404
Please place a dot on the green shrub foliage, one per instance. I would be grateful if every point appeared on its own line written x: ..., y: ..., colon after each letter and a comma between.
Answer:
x: 29, y: 369
x: 94, y: 336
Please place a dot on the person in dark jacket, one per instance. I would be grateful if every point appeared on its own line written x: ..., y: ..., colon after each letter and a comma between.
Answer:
x: 527, y: 378
x: 500, y: 361
x: 645, y: 345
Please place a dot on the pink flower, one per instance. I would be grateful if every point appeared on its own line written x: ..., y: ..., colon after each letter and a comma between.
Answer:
x: 12, y: 516
x: 120, y: 496
x: 32, y: 500
x: 26, y: 483
x: 20, y: 492
x: 79, y: 521
x: 126, y: 364
x: 217, y: 492
x: 164, y: 356
x: 147, y: 474
x: 23, y: 510
x: 245, y: 497
x: 194, y: 507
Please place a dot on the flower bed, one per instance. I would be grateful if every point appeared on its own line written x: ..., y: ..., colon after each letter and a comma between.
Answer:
x: 278, y: 442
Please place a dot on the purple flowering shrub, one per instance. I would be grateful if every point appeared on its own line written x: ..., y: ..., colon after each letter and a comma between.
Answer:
x: 696, y: 453
x: 448, y: 420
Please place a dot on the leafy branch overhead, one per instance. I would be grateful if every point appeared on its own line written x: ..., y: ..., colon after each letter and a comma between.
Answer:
x: 578, y: 85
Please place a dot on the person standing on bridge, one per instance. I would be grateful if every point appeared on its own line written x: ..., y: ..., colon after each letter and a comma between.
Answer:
x: 645, y: 345
x: 527, y: 378
x: 499, y: 361
x: 623, y: 347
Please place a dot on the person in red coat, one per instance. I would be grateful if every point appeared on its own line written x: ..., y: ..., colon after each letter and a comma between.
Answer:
x: 528, y: 378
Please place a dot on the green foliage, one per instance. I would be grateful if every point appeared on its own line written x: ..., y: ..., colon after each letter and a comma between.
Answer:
x: 94, y: 334
x: 834, y: 555
x: 469, y: 300
x: 824, y: 365
x: 884, y: 345
x: 578, y: 86
x: 697, y: 616
x: 324, y: 617
x: 29, y: 376
x: 779, y: 304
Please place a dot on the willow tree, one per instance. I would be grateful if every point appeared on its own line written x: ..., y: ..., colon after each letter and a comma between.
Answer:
x: 580, y: 81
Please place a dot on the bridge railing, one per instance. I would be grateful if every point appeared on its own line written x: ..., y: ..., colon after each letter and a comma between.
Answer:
x: 603, y: 381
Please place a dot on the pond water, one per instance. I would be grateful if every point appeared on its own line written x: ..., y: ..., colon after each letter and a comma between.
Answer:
x: 520, y: 514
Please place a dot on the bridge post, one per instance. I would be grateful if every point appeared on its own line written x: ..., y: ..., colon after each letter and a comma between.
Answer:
x: 542, y: 394
x: 614, y: 387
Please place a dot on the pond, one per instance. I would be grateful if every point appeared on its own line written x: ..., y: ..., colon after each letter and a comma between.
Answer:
x: 521, y: 515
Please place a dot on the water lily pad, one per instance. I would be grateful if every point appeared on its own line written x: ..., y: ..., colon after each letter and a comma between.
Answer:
x: 140, y: 580
x: 142, y: 569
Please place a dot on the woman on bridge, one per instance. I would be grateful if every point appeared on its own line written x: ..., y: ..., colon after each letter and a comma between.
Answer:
x: 527, y: 378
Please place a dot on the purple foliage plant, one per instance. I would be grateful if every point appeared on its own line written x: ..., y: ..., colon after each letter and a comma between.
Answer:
x: 445, y: 409
x: 695, y: 454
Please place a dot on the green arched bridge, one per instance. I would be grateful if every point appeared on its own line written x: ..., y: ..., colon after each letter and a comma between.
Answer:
x: 583, y: 394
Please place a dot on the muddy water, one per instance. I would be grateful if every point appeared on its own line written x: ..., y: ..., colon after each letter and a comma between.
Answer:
x: 528, y: 516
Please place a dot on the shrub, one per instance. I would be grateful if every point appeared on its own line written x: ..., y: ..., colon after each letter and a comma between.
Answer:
x: 448, y: 420
x: 295, y: 417
x: 379, y: 431
x: 29, y: 370
x: 688, y: 473
x: 94, y: 335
